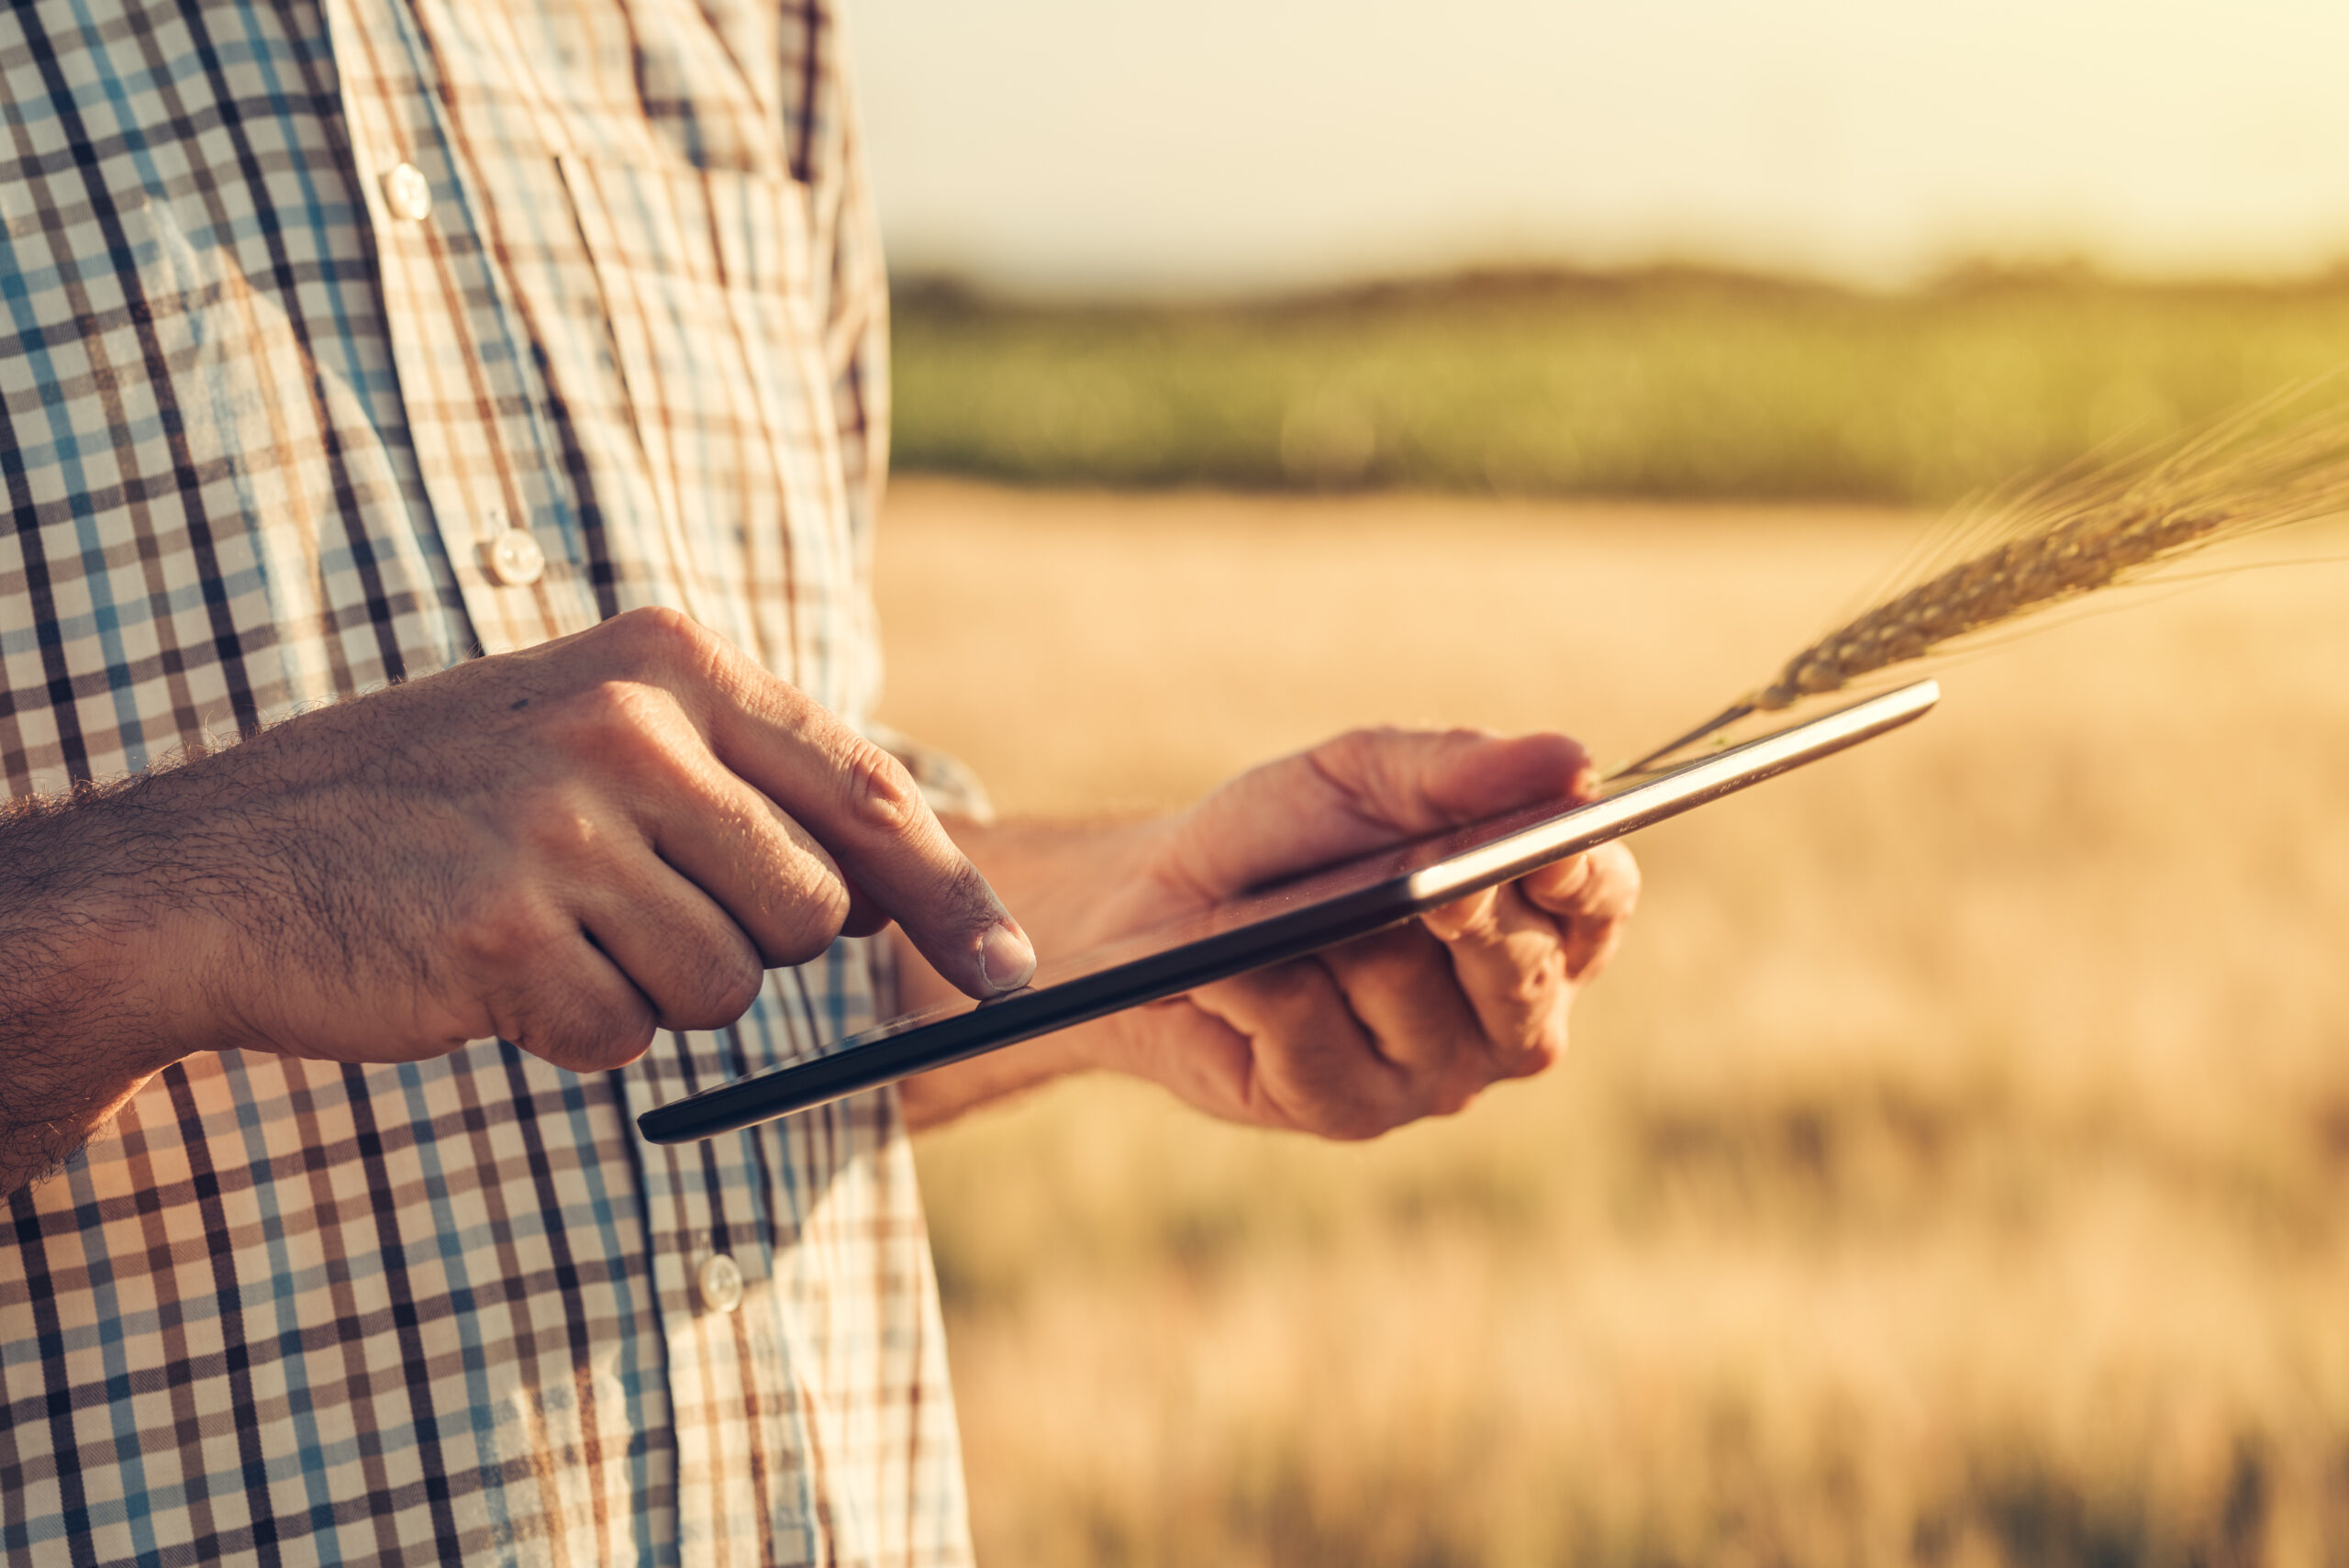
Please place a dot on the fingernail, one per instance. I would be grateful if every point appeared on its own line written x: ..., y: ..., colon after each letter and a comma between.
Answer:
x: 1006, y: 956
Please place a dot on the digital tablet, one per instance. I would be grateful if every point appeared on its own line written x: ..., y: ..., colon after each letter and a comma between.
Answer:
x: 1273, y: 925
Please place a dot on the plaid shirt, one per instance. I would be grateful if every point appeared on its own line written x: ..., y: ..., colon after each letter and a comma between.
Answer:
x: 340, y: 339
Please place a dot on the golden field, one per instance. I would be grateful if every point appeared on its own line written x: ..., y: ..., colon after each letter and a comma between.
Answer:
x: 1954, y: 1168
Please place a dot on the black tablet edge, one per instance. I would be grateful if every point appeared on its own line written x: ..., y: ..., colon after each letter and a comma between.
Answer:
x: 791, y: 1088
x: 1022, y: 1015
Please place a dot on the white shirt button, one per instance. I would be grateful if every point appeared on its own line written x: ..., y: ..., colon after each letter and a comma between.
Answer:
x: 407, y: 193
x: 515, y: 559
x: 719, y: 1280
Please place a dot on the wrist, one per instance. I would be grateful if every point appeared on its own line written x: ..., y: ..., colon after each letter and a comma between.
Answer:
x: 96, y: 973
x: 110, y: 944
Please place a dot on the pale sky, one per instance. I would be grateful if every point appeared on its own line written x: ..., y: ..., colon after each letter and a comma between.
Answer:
x: 1191, y: 146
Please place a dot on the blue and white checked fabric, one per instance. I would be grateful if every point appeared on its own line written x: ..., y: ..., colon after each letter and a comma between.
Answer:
x: 265, y: 430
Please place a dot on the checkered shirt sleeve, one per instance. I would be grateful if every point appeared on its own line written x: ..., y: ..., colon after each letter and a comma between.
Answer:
x: 341, y: 340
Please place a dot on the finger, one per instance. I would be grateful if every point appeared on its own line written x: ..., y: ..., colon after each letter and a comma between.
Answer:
x: 1490, y: 774
x: 773, y: 879
x: 861, y: 804
x: 864, y: 918
x: 854, y: 798
x: 682, y: 951
x: 578, y: 1010
x: 1200, y: 1057
x: 1602, y: 883
x: 1593, y: 896
x: 1314, y: 1067
x: 1401, y: 984
x: 1367, y: 789
x: 1511, y: 960
x: 1590, y: 946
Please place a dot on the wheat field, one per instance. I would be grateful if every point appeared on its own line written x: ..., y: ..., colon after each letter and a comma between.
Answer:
x: 1954, y: 1168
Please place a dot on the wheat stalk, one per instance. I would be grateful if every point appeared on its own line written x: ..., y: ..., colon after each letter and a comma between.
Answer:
x: 2103, y: 524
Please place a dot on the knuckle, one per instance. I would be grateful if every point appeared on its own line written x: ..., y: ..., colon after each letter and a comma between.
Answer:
x: 1450, y: 1097
x: 740, y: 982
x: 1571, y: 883
x: 880, y: 792
x: 561, y: 825
x: 583, y: 1028
x: 1350, y: 1120
x: 621, y: 716
x: 723, y: 988
x: 630, y: 733
x: 1531, y: 987
x: 1538, y: 1048
x: 1333, y: 1092
x: 1473, y: 921
x: 1354, y: 753
x: 597, y: 1044
x: 1537, y: 1058
x: 501, y: 936
x: 805, y: 924
x: 657, y: 634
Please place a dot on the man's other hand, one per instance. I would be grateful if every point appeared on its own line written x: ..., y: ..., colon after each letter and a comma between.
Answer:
x: 1408, y: 1022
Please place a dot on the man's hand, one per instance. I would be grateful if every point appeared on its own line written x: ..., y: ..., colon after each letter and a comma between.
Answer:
x: 1408, y: 1022
x: 571, y: 847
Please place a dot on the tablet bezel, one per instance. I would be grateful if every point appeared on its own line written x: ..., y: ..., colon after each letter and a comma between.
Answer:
x: 1271, y: 926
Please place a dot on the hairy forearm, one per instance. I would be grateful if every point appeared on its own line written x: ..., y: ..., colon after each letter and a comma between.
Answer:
x: 88, y: 930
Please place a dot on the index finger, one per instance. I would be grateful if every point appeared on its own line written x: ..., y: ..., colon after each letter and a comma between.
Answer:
x: 861, y: 804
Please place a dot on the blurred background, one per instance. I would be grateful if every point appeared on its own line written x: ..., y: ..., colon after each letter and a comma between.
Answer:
x: 1952, y: 1169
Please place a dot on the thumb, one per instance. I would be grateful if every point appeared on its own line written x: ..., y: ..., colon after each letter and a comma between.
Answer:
x: 1364, y: 791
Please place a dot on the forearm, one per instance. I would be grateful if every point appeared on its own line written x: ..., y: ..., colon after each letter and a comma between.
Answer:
x: 87, y: 957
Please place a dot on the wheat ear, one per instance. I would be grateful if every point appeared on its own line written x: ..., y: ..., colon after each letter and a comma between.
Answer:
x: 2098, y: 527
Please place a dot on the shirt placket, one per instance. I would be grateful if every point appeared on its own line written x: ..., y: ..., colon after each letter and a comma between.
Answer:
x: 748, y: 1475
x: 745, y: 1483
x: 477, y: 410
